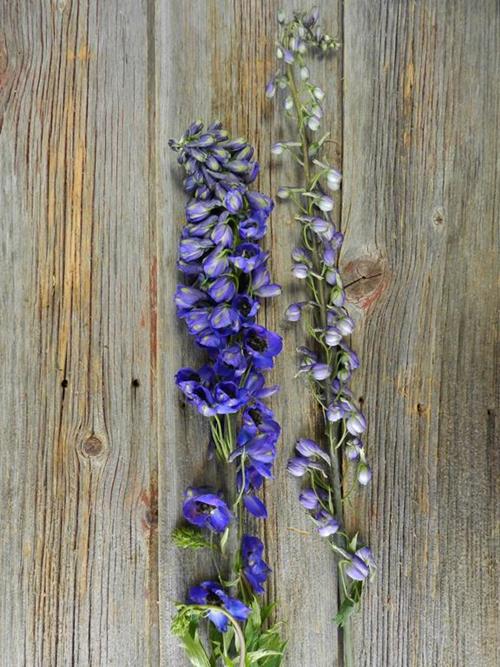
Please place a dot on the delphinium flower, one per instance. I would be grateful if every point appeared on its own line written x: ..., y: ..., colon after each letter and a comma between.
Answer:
x: 326, y: 361
x: 224, y: 279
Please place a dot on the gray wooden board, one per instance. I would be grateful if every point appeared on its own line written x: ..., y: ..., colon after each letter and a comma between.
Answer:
x: 92, y: 473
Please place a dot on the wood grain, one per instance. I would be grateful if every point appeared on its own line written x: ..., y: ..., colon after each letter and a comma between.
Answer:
x: 78, y: 481
x: 98, y: 446
x: 420, y: 150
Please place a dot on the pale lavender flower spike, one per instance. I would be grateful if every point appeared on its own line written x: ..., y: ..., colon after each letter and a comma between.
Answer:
x: 327, y: 361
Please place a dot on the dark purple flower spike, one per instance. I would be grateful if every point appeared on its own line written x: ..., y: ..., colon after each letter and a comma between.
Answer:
x: 224, y: 278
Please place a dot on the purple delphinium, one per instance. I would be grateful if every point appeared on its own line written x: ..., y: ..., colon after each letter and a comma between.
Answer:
x: 225, y: 277
x: 206, y: 509
x: 255, y: 569
x: 211, y: 593
x: 362, y: 564
x: 327, y: 362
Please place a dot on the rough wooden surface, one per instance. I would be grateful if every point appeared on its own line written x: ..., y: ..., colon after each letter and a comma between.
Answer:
x: 97, y: 444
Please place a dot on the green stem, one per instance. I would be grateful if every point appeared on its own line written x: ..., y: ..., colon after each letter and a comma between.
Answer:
x: 335, y: 476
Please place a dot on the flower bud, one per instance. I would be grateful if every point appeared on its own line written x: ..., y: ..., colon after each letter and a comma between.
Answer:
x: 277, y: 149
x: 233, y: 201
x: 270, y: 88
x: 332, y: 336
x: 313, y: 123
x: 356, y: 424
x: 293, y: 312
x: 320, y: 371
x: 364, y: 474
x: 283, y: 192
x: 337, y: 296
x: 331, y: 277
x: 304, y: 73
x: 325, y: 203
x: 333, y: 179
x: 300, y: 271
x: 335, y: 413
x: 318, y: 93
x: 345, y: 325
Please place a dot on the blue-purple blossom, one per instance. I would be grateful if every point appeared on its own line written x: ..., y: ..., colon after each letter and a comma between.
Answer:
x: 262, y: 345
x: 255, y: 506
x: 309, y: 499
x: 353, y: 449
x: 222, y: 289
x: 270, y: 88
x: 326, y: 524
x: 247, y: 257
x: 362, y: 564
x: 310, y: 449
x: 255, y: 569
x: 211, y: 593
x: 206, y: 509
x: 298, y: 466
x: 199, y: 210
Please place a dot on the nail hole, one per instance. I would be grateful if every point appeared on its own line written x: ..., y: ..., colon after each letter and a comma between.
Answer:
x: 361, y: 400
x: 136, y: 383
x: 64, y: 383
x: 420, y: 408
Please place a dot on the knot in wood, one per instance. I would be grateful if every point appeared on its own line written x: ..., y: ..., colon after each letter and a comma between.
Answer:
x: 365, y: 279
x: 150, y: 500
x: 151, y: 518
x: 93, y: 446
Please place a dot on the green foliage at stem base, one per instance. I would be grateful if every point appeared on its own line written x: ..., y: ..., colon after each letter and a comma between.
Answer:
x: 264, y: 646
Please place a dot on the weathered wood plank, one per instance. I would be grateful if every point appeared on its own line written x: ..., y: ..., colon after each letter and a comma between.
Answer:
x: 92, y: 209
x: 78, y: 481
x: 420, y: 144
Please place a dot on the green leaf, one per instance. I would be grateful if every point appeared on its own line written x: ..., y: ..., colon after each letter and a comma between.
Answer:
x: 353, y: 543
x: 194, y: 650
x: 189, y: 538
x: 255, y: 656
x: 185, y: 626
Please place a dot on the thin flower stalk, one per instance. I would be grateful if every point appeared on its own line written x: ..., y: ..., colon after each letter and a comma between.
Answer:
x: 224, y: 280
x: 326, y: 359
